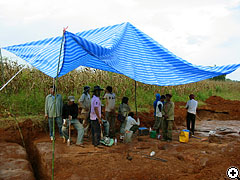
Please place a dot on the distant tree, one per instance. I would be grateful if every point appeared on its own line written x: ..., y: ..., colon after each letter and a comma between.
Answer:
x: 219, y: 78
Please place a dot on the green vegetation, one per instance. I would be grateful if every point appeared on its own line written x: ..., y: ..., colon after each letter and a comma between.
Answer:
x: 219, y: 78
x: 25, y: 95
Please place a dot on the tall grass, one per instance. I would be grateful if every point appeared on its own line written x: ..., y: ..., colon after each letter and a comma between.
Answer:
x: 26, y: 93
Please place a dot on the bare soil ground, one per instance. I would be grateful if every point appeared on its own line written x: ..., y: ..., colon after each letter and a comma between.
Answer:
x: 198, y: 159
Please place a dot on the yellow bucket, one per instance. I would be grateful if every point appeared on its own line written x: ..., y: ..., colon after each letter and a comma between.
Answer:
x: 184, y: 136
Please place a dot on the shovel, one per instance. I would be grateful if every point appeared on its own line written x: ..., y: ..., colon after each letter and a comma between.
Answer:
x: 69, y: 134
x: 101, y: 129
x: 154, y: 158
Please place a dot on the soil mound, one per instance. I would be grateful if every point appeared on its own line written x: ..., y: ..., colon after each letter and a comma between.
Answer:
x: 220, y: 109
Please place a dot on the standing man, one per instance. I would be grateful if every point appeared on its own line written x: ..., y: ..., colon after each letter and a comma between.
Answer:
x: 159, y: 117
x: 54, y: 114
x: 70, y: 113
x: 110, y: 110
x: 168, y: 114
x: 85, y: 103
x: 158, y: 96
x: 123, y: 111
x: 95, y: 116
x: 191, y: 107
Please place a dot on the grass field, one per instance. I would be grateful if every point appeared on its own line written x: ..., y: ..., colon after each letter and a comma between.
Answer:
x: 25, y: 95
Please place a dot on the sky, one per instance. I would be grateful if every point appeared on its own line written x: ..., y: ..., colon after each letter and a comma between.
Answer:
x: 203, y: 32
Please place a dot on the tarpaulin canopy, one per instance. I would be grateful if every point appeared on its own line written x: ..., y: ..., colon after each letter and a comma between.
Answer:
x: 122, y: 49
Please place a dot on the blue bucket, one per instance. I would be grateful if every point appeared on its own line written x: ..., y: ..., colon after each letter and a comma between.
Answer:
x: 186, y: 131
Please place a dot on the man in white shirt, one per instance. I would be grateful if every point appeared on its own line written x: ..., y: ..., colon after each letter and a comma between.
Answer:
x: 159, y: 117
x: 132, y: 124
x: 110, y: 110
x: 85, y: 103
x: 191, y: 107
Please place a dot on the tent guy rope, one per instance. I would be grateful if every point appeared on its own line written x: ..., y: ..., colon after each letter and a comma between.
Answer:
x: 55, y: 85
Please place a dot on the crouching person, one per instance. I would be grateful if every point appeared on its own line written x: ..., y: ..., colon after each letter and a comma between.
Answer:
x: 70, y: 113
x: 132, y: 124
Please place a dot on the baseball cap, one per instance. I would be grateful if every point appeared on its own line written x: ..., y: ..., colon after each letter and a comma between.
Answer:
x: 71, y: 98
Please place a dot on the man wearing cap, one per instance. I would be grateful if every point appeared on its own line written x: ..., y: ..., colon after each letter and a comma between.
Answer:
x: 52, y: 113
x: 70, y: 113
x: 168, y: 114
x: 191, y: 107
x: 95, y: 116
x: 85, y: 103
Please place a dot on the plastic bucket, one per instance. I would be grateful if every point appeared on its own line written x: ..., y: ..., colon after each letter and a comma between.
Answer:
x: 185, y: 130
x: 184, y: 136
x: 153, y: 134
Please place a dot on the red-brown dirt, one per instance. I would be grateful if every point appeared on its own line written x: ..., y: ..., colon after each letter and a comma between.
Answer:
x: 14, y: 163
x: 221, y: 109
x: 193, y: 160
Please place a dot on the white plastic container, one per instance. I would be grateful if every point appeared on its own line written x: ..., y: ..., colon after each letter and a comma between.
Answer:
x: 212, y: 133
x: 152, y: 153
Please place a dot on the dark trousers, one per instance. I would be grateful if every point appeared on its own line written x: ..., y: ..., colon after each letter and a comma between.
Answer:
x: 96, y: 132
x: 110, y: 117
x: 134, y: 128
x: 191, y: 121
x: 167, y: 129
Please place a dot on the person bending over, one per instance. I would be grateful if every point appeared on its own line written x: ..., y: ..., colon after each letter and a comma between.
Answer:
x: 131, y: 123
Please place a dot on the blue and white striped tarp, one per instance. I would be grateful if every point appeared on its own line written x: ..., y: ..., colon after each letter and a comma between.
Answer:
x: 122, y: 49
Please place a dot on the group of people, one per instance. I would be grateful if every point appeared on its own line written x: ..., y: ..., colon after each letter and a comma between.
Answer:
x: 164, y: 115
x: 89, y: 111
x: 92, y: 119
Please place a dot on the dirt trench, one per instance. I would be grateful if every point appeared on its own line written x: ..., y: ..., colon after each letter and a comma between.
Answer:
x: 194, y: 160
x: 11, y: 137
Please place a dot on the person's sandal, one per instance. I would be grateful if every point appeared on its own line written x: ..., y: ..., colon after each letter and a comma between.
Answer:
x: 80, y: 145
x: 100, y: 146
